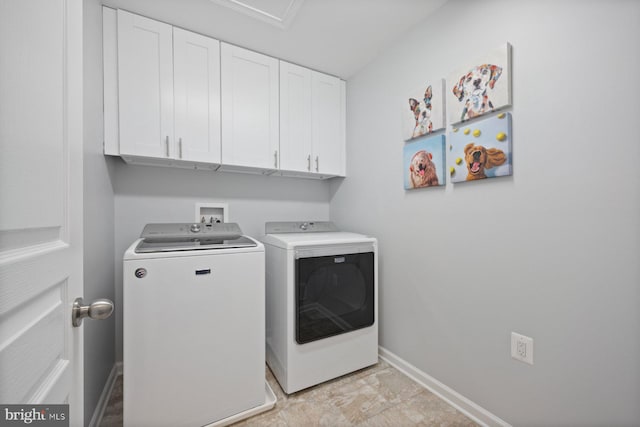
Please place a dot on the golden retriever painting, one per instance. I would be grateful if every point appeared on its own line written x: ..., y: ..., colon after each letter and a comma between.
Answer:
x: 481, y: 149
x: 422, y: 170
x: 424, y: 163
x: 478, y: 159
x: 480, y: 87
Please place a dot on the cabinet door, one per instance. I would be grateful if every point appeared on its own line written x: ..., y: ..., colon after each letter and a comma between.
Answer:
x: 295, y: 118
x: 196, y: 96
x: 250, y: 115
x: 327, y: 124
x: 145, y: 92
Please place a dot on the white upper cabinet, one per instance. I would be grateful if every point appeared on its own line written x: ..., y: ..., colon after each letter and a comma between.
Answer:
x: 177, y: 98
x: 295, y: 118
x: 168, y: 92
x: 311, y: 121
x: 145, y: 86
x: 250, y: 109
x: 197, y: 96
x: 328, y: 127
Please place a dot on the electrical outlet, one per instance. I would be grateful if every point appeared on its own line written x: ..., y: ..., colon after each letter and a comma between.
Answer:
x: 522, y: 348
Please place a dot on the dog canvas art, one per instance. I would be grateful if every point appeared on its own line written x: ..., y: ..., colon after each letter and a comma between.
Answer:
x: 481, y: 149
x: 477, y: 159
x: 424, y: 163
x: 480, y: 87
x: 424, y: 111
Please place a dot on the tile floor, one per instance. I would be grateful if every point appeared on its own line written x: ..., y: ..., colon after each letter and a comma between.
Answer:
x: 376, y: 396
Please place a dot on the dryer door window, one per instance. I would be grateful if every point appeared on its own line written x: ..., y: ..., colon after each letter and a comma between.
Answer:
x: 334, y: 295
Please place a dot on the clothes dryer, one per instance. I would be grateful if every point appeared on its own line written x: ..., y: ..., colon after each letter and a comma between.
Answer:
x: 322, y: 302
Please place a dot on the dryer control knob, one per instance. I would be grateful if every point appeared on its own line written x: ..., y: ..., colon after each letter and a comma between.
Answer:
x: 195, y: 228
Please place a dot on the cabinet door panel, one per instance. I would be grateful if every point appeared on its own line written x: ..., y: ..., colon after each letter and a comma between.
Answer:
x: 295, y: 118
x: 250, y: 116
x: 197, y: 96
x: 145, y: 77
x: 327, y: 127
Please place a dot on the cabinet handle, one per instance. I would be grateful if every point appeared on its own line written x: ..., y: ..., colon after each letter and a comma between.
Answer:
x: 166, y: 143
x: 275, y: 159
x: 309, y: 162
x: 180, y: 146
x: 317, y: 164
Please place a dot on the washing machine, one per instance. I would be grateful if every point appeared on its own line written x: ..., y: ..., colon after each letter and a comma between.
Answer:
x: 193, y: 325
x: 322, y: 302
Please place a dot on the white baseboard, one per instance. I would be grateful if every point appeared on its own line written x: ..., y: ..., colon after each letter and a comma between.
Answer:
x: 98, y: 413
x: 452, y: 397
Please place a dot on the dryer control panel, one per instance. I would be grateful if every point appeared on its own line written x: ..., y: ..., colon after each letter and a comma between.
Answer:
x: 300, y: 227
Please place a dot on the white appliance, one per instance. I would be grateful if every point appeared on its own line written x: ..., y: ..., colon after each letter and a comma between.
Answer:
x: 194, y: 322
x: 322, y: 307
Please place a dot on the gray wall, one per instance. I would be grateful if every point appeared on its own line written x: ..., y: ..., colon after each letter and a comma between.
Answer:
x: 551, y: 252
x: 99, y: 336
x: 146, y: 194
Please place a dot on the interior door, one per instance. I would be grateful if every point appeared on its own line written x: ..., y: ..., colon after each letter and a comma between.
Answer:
x: 41, y: 202
x: 197, y: 96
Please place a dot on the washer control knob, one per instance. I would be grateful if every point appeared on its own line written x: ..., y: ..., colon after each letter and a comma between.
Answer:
x: 304, y: 226
x: 195, y: 228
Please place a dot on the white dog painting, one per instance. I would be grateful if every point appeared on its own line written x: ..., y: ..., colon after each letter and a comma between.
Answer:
x: 424, y: 111
x: 480, y: 87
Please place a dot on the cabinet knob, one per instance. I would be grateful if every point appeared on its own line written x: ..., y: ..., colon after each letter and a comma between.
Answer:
x: 317, y: 163
x: 309, y: 162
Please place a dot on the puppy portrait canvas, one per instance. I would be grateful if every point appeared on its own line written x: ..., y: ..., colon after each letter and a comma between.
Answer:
x: 480, y: 149
x: 423, y: 111
x: 424, y: 163
x: 481, y: 86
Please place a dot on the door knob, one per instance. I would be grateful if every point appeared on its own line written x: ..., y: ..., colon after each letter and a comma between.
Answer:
x: 99, y: 309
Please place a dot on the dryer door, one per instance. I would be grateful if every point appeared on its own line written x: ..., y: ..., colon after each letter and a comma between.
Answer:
x: 334, y: 295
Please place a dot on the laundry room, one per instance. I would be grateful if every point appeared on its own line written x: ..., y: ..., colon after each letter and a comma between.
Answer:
x: 441, y: 160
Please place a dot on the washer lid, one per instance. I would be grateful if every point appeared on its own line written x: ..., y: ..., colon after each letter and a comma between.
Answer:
x: 192, y: 244
x: 176, y: 231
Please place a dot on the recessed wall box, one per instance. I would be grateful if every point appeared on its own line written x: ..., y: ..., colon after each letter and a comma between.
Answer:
x: 212, y: 213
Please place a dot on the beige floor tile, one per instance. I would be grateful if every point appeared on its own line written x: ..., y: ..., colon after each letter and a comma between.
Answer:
x: 112, y: 416
x: 313, y: 414
x: 423, y: 409
x: 272, y: 418
x: 379, y: 395
x: 392, y: 385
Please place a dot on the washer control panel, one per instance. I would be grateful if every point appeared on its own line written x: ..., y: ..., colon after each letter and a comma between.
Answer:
x: 222, y: 230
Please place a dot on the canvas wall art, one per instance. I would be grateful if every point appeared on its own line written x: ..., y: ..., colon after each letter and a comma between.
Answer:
x: 480, y: 149
x: 481, y: 86
x: 424, y: 163
x: 423, y: 111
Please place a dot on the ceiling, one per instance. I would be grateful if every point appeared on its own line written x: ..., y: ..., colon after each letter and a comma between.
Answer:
x: 338, y: 37
x: 280, y: 13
